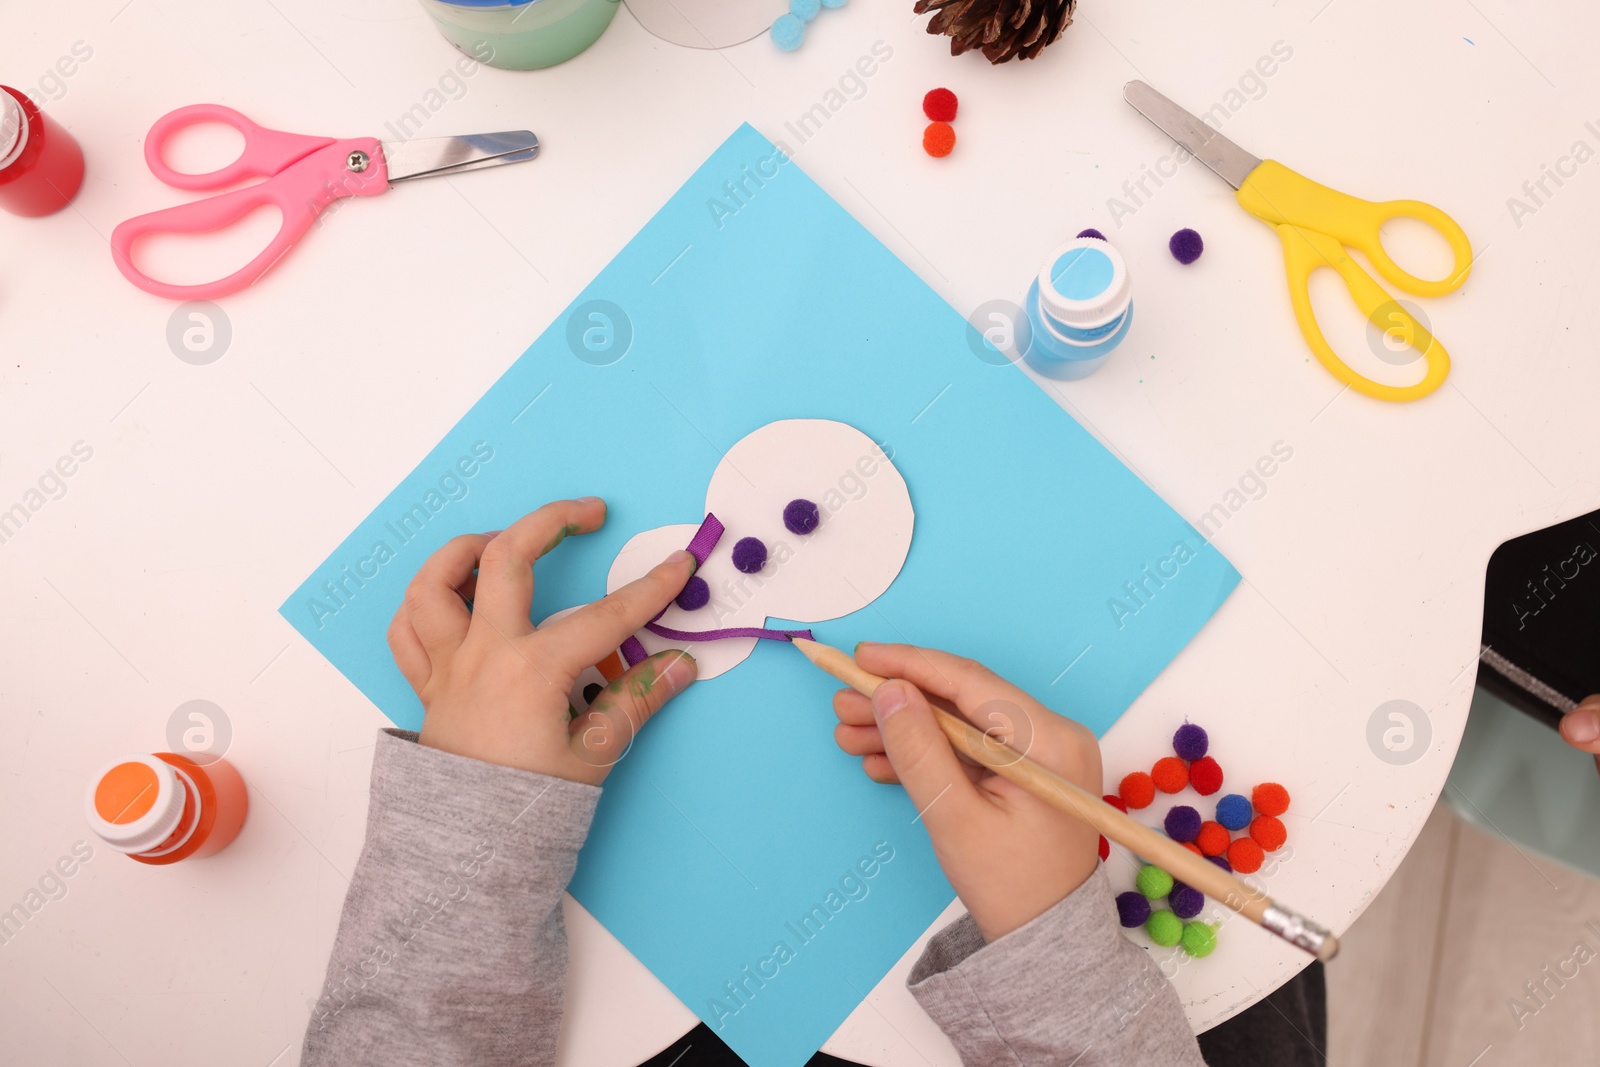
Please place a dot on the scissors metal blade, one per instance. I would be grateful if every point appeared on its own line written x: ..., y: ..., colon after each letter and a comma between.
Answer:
x: 428, y: 156
x: 1230, y: 162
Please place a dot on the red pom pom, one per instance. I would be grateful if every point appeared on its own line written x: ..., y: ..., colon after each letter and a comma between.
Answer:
x: 1245, y: 856
x: 1270, y: 798
x: 1105, y: 848
x: 1269, y: 832
x: 1212, y: 838
x: 938, y: 139
x: 1205, y: 774
x: 940, y: 105
x: 1137, y: 790
x: 1192, y: 847
x: 1170, y: 774
x: 1115, y: 802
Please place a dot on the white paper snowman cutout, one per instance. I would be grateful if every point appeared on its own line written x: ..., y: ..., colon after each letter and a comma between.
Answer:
x: 843, y: 565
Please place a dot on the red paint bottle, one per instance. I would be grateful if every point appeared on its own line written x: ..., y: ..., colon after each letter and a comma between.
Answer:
x: 41, y: 166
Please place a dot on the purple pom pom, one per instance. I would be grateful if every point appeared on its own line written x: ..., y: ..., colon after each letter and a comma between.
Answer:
x: 1186, y: 246
x: 696, y: 594
x: 1132, y: 909
x: 1190, y: 742
x: 1183, y: 823
x: 749, y: 555
x: 1186, y: 901
x: 801, y: 517
x: 1092, y: 232
x: 1221, y: 861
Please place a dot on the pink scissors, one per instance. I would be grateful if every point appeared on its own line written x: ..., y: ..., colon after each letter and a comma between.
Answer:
x: 304, y: 175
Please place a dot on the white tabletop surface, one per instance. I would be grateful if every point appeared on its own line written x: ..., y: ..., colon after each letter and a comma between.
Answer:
x: 213, y: 489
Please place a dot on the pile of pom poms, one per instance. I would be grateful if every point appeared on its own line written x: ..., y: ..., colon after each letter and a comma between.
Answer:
x: 1174, y: 924
x: 1256, y: 815
x: 939, y: 139
x: 789, y: 30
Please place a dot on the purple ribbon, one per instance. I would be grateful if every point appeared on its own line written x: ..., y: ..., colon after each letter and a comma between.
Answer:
x: 700, y: 546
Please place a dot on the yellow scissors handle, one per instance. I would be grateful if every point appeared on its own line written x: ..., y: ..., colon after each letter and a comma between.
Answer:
x: 1304, y: 251
x: 1279, y: 196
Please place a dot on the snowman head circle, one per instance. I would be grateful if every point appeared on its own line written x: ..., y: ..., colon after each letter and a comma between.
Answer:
x: 847, y: 560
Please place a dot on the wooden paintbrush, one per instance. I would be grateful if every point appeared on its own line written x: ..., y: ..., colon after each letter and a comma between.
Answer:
x: 1056, y: 791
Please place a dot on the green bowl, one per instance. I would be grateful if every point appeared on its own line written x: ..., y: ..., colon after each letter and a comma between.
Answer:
x: 525, y: 36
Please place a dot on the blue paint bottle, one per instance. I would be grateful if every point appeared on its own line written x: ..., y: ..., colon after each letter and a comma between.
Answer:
x: 1080, y: 307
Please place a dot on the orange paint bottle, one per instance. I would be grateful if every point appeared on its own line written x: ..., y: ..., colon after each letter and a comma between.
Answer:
x: 166, y: 807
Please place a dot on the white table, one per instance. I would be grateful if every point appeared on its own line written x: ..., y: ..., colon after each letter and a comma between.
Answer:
x: 213, y: 489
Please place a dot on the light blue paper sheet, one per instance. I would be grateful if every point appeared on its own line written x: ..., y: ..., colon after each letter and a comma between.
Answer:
x: 734, y: 817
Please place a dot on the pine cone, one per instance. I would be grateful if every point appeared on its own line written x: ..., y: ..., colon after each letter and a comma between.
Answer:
x: 1003, y: 29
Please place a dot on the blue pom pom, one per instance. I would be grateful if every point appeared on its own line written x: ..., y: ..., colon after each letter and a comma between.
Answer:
x: 788, y: 32
x: 805, y: 10
x: 1233, y: 811
x: 696, y: 594
x: 1186, y: 246
x: 1183, y: 823
x: 1132, y: 909
x: 1092, y: 232
x: 749, y: 555
x: 1190, y: 742
x: 1186, y: 901
x: 832, y: 3
x: 801, y: 516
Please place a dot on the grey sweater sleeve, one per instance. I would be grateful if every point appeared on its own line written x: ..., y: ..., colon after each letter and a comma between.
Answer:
x: 1065, y: 988
x: 451, y: 948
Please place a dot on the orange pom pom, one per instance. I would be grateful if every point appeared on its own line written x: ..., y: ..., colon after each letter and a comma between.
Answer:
x: 1115, y: 802
x: 1245, y: 856
x: 938, y: 139
x: 1269, y: 832
x: 1137, y: 790
x: 1170, y: 774
x: 1192, y: 847
x: 1270, y: 798
x: 1212, y: 838
x: 1105, y: 848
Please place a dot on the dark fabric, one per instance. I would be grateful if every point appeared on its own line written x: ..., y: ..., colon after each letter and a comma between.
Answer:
x: 1541, y: 618
x: 702, y: 1048
x: 1289, y: 1028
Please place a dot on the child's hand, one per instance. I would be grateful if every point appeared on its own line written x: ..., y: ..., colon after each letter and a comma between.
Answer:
x: 494, y: 688
x: 1009, y: 855
x: 1580, y: 727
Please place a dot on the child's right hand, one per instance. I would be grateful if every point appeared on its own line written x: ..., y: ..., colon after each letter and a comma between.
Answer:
x: 1009, y: 855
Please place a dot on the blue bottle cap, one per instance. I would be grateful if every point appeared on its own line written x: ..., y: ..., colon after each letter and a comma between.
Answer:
x: 1085, y: 284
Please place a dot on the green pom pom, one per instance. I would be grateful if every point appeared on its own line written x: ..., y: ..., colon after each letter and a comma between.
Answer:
x: 1164, y: 928
x: 1154, y: 883
x: 1199, y: 939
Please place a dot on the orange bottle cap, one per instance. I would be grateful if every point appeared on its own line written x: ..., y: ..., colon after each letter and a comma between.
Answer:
x: 135, y: 803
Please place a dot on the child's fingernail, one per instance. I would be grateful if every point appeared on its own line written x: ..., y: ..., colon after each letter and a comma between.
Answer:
x: 887, y: 699
x: 590, y: 500
x: 682, y: 556
x: 679, y: 671
x: 492, y: 533
x: 864, y: 644
x: 1581, y: 727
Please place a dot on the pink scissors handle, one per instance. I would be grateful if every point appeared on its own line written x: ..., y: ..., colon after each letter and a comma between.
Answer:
x: 300, y: 192
x: 266, y: 152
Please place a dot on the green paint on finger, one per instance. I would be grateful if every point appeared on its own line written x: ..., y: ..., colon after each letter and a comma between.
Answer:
x: 561, y: 535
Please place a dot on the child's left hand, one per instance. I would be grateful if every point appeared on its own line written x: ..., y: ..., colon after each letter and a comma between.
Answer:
x: 494, y: 688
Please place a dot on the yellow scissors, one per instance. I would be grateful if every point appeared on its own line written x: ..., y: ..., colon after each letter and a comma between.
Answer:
x: 1315, y: 224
